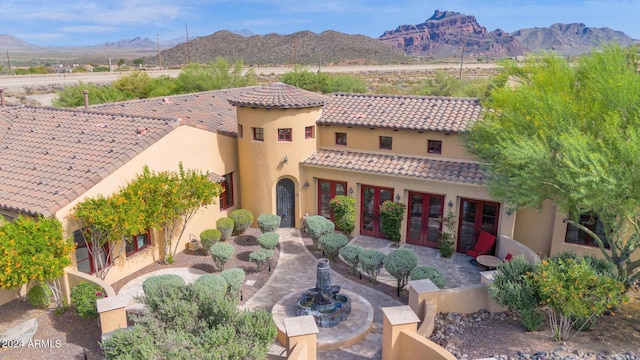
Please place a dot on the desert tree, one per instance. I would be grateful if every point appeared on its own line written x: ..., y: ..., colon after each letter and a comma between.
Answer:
x: 569, y: 134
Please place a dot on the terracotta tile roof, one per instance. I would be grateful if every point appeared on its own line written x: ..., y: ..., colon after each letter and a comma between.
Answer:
x: 50, y: 156
x: 208, y: 110
x: 460, y: 172
x: 425, y: 113
x: 278, y: 95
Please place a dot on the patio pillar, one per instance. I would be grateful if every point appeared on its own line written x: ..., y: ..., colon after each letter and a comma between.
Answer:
x: 421, y: 292
x: 302, y: 332
x: 396, y: 320
x: 113, y: 314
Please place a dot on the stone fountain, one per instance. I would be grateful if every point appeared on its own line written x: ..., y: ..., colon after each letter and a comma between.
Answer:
x: 324, y: 302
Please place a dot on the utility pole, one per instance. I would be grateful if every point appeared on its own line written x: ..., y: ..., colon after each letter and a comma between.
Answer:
x: 9, y: 62
x: 159, y: 58
x: 461, y: 59
x: 188, y: 46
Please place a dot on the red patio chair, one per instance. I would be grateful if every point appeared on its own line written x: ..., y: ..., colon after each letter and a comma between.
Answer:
x: 483, y: 245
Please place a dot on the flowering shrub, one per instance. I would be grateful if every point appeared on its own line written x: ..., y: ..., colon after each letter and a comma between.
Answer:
x: 84, y: 297
x: 445, y: 241
x: 573, y: 291
x: 344, y: 212
x: 391, y: 215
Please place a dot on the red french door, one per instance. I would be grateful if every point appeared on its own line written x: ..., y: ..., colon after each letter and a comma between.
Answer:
x: 327, y: 190
x: 371, y: 198
x: 475, y: 216
x: 424, y: 213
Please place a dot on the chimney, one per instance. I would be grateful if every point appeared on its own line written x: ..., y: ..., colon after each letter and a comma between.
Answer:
x: 86, y: 99
x: 2, y: 97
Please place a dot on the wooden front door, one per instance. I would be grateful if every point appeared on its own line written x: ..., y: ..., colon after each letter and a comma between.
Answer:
x: 286, y: 203
x: 423, y: 219
x: 327, y: 190
x: 371, y: 198
x: 475, y: 216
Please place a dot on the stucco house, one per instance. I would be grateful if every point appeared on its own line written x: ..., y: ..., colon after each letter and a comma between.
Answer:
x: 275, y: 148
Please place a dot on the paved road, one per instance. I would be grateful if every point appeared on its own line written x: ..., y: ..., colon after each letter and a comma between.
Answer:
x: 19, y: 83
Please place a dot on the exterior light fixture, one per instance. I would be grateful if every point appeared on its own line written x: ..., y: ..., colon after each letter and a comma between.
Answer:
x: 397, y: 197
x: 450, y: 204
x: 305, y: 185
x: 350, y: 190
x: 285, y: 160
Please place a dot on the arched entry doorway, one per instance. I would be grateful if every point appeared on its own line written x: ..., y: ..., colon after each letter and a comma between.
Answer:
x: 286, y: 203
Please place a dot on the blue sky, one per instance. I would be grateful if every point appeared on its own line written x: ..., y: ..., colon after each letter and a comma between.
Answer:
x: 90, y: 22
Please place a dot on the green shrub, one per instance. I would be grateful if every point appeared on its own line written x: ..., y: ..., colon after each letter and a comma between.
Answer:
x: 371, y: 262
x: 242, y: 219
x: 602, y: 267
x: 399, y: 264
x: 446, y: 239
x: 262, y: 257
x: 350, y: 254
x: 84, y: 297
x: 212, y: 284
x: 268, y: 222
x: 225, y: 225
x: 208, y: 238
x: 428, y: 272
x: 221, y: 253
x: 332, y: 243
x: 318, y: 226
x: 512, y: 287
x: 269, y: 240
x: 391, y: 215
x: 235, y: 280
x: 168, y: 280
x: 344, y: 212
x: 40, y: 296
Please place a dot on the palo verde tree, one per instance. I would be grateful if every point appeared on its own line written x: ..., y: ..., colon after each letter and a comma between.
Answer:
x: 32, y: 249
x: 570, y: 134
x: 109, y: 219
x: 171, y: 199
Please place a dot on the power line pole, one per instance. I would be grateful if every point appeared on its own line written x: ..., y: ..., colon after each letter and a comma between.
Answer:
x: 188, y: 46
x: 9, y: 62
x: 159, y: 58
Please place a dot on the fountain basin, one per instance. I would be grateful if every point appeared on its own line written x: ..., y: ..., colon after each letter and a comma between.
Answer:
x: 326, y: 315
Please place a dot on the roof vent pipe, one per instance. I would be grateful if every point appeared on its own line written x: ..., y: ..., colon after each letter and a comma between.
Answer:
x: 2, y: 97
x: 86, y: 99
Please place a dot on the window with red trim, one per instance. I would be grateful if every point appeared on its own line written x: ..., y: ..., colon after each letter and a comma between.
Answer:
x: 258, y: 134
x: 434, y: 146
x: 284, y: 134
x: 136, y: 243
x: 341, y: 138
x: 386, y: 142
x: 226, y: 196
x: 577, y: 236
x: 309, y: 132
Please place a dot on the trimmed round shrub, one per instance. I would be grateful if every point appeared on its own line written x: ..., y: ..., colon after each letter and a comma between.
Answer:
x: 268, y: 222
x: 319, y: 226
x: 351, y: 255
x: 235, y: 280
x: 428, y: 272
x: 371, y: 263
x: 212, y: 284
x: 269, y: 240
x: 84, y: 297
x: 332, y: 243
x: 221, y: 253
x: 153, y: 283
x: 209, y: 237
x: 261, y: 257
x: 242, y: 219
x: 40, y: 296
x: 225, y: 226
x: 399, y: 264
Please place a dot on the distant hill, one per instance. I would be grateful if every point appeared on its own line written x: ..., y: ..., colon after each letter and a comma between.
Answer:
x: 446, y: 32
x: 136, y: 42
x: 13, y: 43
x: 305, y: 47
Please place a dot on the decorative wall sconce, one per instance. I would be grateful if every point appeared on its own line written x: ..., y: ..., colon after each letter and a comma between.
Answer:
x: 305, y: 185
x: 350, y: 190
x: 509, y: 212
x: 285, y: 160
x: 397, y: 197
x: 450, y: 204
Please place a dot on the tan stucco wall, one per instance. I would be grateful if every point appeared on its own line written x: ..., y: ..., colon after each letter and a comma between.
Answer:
x: 401, y: 185
x: 534, y: 228
x: 197, y: 149
x: 407, y: 142
x: 261, y: 162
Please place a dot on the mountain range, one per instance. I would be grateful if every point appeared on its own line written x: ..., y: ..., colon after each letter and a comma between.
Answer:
x: 444, y: 34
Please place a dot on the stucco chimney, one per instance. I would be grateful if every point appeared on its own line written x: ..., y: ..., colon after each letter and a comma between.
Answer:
x: 86, y: 99
x: 2, y: 97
